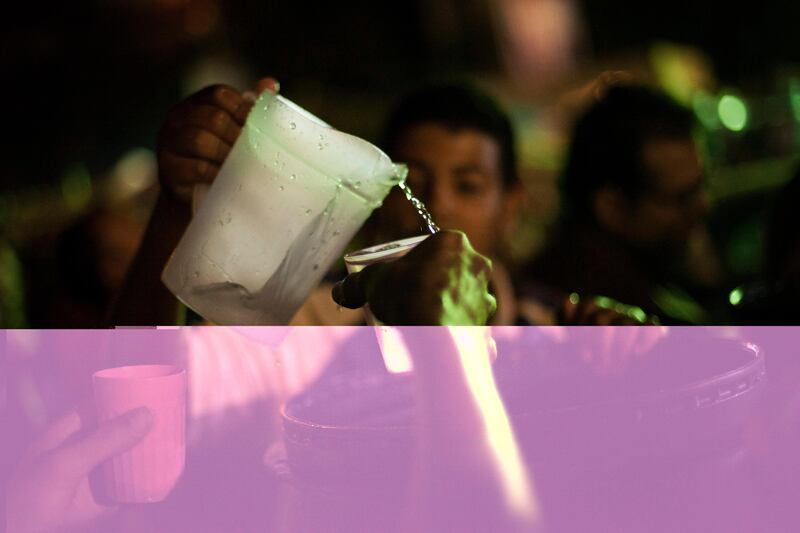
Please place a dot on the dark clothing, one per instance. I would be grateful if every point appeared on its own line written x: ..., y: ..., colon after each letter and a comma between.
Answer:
x: 591, y: 261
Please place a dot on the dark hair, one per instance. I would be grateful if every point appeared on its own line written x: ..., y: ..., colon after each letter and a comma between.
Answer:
x: 456, y: 106
x: 607, y: 140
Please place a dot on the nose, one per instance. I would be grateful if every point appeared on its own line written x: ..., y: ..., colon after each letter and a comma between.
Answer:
x: 440, y: 202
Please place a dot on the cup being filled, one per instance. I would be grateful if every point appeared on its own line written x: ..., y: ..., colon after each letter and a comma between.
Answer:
x: 381, y: 253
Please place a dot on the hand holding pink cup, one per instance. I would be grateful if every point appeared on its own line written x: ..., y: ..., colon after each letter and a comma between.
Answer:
x: 150, y: 470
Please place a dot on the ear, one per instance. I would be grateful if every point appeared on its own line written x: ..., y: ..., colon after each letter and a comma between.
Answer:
x: 612, y: 210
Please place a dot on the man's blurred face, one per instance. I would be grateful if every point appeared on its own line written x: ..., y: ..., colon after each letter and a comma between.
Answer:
x: 674, y: 203
x: 457, y: 175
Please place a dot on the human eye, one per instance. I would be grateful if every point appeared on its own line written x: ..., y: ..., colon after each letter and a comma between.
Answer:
x: 470, y: 184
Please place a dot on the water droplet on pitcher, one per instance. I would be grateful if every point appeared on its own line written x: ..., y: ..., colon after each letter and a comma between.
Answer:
x: 320, y: 146
x: 292, y: 125
x: 316, y: 267
x: 336, y: 233
x: 292, y: 177
x: 308, y: 211
x: 280, y: 187
x: 197, y: 274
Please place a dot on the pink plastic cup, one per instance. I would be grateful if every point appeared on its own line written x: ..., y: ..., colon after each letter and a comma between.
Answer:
x: 150, y: 470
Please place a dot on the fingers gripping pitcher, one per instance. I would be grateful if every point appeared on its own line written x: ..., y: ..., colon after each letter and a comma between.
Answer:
x: 288, y: 199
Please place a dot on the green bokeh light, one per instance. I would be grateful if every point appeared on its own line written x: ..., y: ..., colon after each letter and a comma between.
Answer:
x: 638, y: 314
x: 732, y: 112
x: 736, y: 296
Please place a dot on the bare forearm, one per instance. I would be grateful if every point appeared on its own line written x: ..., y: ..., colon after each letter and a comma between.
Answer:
x: 144, y: 300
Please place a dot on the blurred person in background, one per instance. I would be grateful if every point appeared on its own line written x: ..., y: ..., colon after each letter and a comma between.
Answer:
x: 634, y: 201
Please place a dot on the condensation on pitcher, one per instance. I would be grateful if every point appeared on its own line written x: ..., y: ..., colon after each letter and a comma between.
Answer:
x: 293, y: 177
x: 292, y: 126
x: 308, y: 211
x: 280, y: 187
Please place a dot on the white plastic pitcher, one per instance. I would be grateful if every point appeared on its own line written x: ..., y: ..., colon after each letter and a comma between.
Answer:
x: 288, y: 199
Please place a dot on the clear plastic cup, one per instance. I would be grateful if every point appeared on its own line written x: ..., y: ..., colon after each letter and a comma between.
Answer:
x: 381, y: 253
